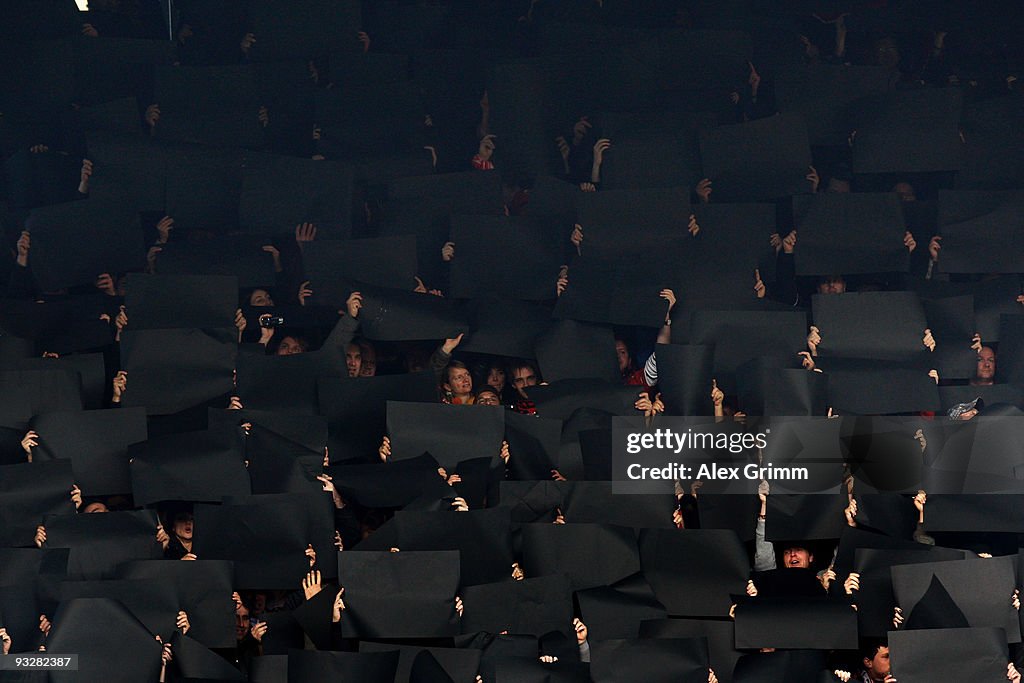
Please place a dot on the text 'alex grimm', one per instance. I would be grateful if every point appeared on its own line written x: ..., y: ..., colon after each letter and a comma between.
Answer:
x: 715, y: 472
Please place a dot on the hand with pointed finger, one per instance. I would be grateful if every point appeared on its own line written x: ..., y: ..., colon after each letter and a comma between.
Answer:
x: 759, y: 288
x: 717, y: 395
x: 339, y: 606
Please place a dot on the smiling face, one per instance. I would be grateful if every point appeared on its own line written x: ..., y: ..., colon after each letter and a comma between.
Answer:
x: 797, y: 558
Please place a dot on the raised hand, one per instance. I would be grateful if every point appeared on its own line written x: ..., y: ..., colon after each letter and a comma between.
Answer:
x: 934, y: 246
x: 353, y: 304
x: 248, y: 40
x: 364, y: 40
x: 24, y: 244
x: 152, y: 117
x: 311, y: 554
x: 450, y: 344
x: 759, y: 288
x: 304, y: 292
x: 448, y: 251
x: 120, y: 322
x: 909, y: 242
x: 28, y: 442
x: 105, y: 284
x: 86, y: 174
x: 339, y: 606
x: 813, y: 178
x: 692, y: 227
x: 258, y: 630
x: 385, y: 450
x: 717, y: 395
x: 577, y: 237
x: 928, y: 340
x: 304, y: 233
x: 182, y: 622
x: 120, y: 384
x: 852, y: 583
x: 581, y: 631
x: 311, y: 584
x: 704, y: 190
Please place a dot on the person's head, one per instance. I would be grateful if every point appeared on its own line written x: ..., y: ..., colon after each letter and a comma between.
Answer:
x: 524, y: 374
x: 905, y: 191
x: 622, y: 353
x: 182, y: 526
x: 838, y: 186
x: 488, y: 396
x: 241, y: 622
x: 368, y: 365
x: 353, y: 359
x: 797, y: 557
x: 985, y: 370
x: 95, y: 506
x: 887, y: 53
x: 875, y: 659
x: 495, y: 377
x: 458, y: 380
x: 833, y: 284
x: 260, y: 298
x: 291, y: 345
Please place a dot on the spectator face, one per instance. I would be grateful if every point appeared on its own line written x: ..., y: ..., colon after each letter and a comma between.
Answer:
x: 353, y: 359
x: 522, y: 378
x: 183, y: 527
x: 835, y: 285
x: 905, y: 191
x: 488, y: 399
x: 260, y: 298
x: 622, y: 352
x: 241, y: 622
x: 878, y: 667
x: 290, y: 346
x: 496, y: 378
x: 460, y: 382
x: 368, y: 366
x: 797, y: 558
x: 95, y: 507
x: 986, y: 368
x: 838, y: 185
